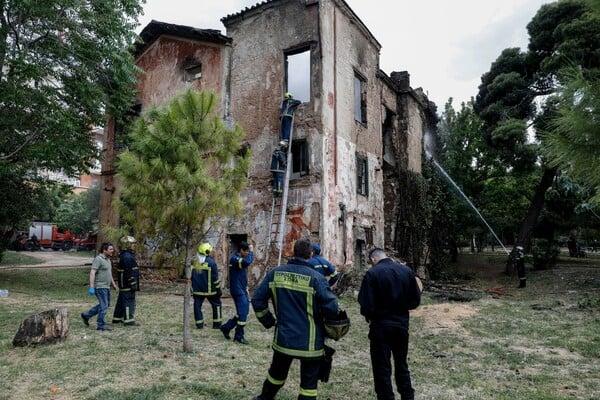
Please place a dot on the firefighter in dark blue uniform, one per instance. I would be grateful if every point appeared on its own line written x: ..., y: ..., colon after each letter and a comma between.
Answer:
x: 238, y: 287
x: 301, y: 300
x: 128, y: 277
x: 206, y: 285
x: 286, y: 114
x: 323, y: 266
x: 387, y: 293
x: 278, y: 167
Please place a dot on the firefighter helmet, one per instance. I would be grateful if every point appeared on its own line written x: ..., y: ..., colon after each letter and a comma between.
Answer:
x: 288, y: 95
x: 205, y: 249
x: 127, y: 242
x: 338, y: 327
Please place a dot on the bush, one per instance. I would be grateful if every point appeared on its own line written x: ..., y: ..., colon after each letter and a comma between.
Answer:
x: 545, y: 254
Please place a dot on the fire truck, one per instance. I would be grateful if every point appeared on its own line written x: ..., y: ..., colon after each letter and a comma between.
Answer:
x: 48, y: 235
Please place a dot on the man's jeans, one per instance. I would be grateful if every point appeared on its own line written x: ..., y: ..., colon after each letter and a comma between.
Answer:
x: 100, y: 309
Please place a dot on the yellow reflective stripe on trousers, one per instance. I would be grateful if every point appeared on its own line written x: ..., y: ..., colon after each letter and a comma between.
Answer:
x: 308, y: 392
x: 298, y: 353
x: 274, y: 381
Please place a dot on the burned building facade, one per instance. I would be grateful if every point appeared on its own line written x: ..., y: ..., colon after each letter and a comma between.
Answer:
x: 354, y: 122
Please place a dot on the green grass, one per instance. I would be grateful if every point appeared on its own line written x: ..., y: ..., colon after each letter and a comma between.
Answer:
x: 538, y: 343
x: 16, y: 258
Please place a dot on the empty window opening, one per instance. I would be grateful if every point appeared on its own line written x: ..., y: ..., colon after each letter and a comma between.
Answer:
x: 360, y: 98
x: 193, y: 72
x: 297, y: 74
x: 362, y: 175
x: 299, y: 158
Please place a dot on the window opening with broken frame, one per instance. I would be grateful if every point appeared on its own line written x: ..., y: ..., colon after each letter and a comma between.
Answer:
x: 360, y: 98
x: 193, y: 72
x: 362, y: 175
x: 299, y: 158
x: 297, y: 73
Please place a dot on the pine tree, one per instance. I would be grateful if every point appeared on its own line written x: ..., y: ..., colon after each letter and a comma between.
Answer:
x: 184, y: 169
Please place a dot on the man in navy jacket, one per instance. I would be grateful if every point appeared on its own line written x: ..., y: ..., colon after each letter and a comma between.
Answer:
x: 387, y: 293
x: 302, y: 300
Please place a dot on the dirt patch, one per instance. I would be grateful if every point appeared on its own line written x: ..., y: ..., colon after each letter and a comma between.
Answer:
x: 446, y: 317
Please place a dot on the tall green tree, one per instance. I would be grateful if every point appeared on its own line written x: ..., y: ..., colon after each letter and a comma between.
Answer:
x: 519, y: 82
x: 63, y: 65
x: 573, y: 138
x: 79, y: 212
x: 183, y: 170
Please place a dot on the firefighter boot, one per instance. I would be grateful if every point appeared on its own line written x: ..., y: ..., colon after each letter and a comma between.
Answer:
x: 239, y: 335
x: 522, y: 283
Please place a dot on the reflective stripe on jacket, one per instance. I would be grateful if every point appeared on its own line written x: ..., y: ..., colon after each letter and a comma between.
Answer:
x: 205, y: 277
x: 301, y: 300
x: 128, y: 274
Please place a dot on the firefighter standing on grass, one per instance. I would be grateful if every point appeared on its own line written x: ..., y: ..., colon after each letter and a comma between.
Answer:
x: 128, y: 277
x: 238, y: 287
x: 206, y: 285
x: 301, y: 300
x: 323, y: 266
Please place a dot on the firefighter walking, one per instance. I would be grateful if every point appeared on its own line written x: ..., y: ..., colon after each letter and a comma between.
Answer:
x: 128, y: 278
x: 206, y: 285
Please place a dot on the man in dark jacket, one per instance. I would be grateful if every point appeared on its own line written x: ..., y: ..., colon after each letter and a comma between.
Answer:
x: 278, y: 167
x: 286, y: 115
x: 302, y: 300
x: 387, y: 293
x: 323, y: 266
x: 238, y: 287
x: 128, y: 277
x: 206, y: 285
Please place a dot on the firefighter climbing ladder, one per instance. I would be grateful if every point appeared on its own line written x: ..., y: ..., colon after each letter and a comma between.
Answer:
x: 279, y: 205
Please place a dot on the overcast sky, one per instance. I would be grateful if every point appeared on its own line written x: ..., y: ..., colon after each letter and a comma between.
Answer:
x: 445, y: 45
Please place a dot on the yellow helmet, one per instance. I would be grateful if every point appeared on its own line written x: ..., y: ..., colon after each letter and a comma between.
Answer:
x: 288, y: 95
x: 205, y: 249
x: 127, y: 242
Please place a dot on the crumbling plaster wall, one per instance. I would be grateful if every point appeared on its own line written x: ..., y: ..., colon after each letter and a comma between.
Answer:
x: 349, y: 49
x: 260, y: 41
x: 163, y: 64
x: 340, y: 47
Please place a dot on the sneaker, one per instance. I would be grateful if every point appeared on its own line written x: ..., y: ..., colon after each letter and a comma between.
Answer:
x: 105, y: 329
x: 241, y: 341
x: 86, y: 320
x: 225, y: 333
x: 132, y: 324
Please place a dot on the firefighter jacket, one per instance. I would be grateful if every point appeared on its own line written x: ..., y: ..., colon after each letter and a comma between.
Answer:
x: 388, y: 291
x: 238, y: 273
x: 128, y: 274
x: 324, y: 267
x: 301, y: 301
x: 205, y: 277
x: 288, y: 107
x: 278, y: 161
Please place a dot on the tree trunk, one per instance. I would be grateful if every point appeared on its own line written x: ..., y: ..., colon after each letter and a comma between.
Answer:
x: 535, y: 208
x: 187, y: 295
x: 47, y: 327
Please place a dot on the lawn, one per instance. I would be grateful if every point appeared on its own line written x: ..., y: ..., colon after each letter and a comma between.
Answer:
x: 542, y: 342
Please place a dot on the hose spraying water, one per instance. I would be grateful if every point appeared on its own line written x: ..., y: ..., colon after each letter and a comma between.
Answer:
x: 464, y: 196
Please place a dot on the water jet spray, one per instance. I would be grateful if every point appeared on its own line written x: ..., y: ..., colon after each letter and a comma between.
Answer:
x: 464, y: 196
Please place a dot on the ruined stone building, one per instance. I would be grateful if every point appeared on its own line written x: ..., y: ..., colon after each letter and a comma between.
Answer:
x: 355, y: 131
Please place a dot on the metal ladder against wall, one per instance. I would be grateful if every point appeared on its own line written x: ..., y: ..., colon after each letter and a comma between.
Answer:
x: 279, y: 205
